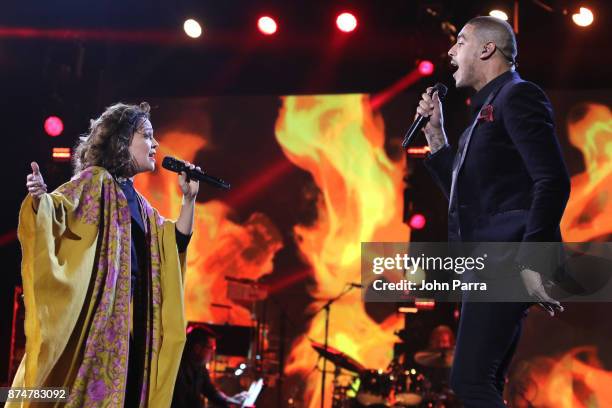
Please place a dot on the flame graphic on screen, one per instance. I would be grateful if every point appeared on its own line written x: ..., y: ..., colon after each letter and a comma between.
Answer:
x: 340, y: 142
x: 588, y: 215
x: 219, y: 247
x: 573, y: 380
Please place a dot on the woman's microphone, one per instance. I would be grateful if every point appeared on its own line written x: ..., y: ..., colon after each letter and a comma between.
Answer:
x: 177, y: 166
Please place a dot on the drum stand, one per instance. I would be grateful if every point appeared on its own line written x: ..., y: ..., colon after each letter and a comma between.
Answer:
x: 339, y: 392
x: 327, y: 308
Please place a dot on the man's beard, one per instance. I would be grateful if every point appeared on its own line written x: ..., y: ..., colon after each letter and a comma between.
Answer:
x: 466, y: 78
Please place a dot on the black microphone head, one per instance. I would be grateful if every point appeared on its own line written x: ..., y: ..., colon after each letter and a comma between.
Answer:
x: 172, y: 164
x: 441, y: 89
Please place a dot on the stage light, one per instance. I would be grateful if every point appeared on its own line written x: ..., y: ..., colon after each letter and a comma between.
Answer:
x: 418, y: 151
x: 425, y: 304
x: 499, y: 14
x: 61, y: 154
x: 426, y: 68
x: 584, y: 18
x: 417, y: 221
x: 267, y: 25
x: 192, y: 28
x: 346, y: 22
x: 54, y: 126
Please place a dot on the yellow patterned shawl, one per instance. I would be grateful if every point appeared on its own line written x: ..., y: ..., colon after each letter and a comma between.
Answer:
x: 76, y: 282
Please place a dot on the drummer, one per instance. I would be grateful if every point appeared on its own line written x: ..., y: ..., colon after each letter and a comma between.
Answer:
x: 442, y: 337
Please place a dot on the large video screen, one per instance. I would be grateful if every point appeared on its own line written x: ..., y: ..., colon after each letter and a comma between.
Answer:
x: 312, y: 177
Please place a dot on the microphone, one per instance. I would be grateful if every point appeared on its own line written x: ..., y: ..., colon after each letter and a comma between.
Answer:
x: 177, y: 166
x: 421, y: 121
x: 356, y: 285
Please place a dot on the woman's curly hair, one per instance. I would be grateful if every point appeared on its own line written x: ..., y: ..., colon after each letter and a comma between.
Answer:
x: 108, y: 141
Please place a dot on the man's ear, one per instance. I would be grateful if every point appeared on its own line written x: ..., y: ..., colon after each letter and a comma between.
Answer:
x: 487, y: 50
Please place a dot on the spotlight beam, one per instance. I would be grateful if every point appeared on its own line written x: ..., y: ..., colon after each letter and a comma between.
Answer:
x: 543, y: 5
x: 381, y: 98
x: 68, y: 34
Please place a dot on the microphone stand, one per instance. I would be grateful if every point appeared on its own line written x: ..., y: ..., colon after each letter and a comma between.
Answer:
x: 327, y: 308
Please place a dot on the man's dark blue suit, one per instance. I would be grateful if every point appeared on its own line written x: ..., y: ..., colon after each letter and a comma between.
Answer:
x: 510, y: 185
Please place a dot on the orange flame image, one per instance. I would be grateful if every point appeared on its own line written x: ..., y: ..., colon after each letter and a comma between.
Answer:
x: 588, y: 215
x: 573, y: 380
x: 219, y: 247
x: 340, y: 141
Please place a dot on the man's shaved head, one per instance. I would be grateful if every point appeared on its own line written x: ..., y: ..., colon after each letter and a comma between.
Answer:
x: 485, y: 48
x: 487, y: 28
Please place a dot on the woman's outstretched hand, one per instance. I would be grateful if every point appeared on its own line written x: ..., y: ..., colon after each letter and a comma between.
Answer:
x: 36, y: 185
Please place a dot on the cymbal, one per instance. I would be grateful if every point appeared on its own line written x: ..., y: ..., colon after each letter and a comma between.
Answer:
x: 338, y: 358
x: 435, y: 358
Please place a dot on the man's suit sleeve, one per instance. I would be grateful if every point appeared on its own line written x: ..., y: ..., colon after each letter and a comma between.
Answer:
x: 528, y: 120
x: 440, y: 165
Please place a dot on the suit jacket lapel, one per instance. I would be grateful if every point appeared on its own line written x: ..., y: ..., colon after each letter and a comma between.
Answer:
x: 463, y: 147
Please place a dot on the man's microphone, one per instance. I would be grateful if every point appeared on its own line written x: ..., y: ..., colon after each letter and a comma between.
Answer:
x: 177, y: 166
x: 421, y: 121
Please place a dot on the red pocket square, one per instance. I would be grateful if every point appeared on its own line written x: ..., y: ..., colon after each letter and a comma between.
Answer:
x: 486, y: 113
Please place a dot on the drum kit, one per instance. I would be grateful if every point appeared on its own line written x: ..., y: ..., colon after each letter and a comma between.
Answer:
x: 419, y: 381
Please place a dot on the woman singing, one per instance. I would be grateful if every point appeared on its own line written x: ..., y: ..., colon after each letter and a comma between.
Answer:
x: 103, y: 273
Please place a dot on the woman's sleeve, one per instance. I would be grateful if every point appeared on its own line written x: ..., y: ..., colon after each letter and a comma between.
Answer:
x: 182, y: 240
x: 57, y: 261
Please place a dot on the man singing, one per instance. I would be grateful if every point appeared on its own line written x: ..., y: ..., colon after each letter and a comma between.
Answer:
x: 507, y: 182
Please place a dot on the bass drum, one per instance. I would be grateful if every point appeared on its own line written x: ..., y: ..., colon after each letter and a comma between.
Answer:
x: 443, y: 399
x: 410, y: 388
x: 374, y: 389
